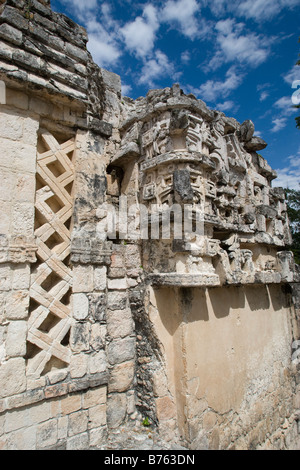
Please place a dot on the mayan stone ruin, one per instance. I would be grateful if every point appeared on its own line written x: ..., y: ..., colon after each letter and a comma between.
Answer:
x: 145, y: 271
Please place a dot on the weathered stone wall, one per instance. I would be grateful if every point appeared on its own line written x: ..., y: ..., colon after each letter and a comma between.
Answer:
x: 57, y: 111
x: 101, y: 328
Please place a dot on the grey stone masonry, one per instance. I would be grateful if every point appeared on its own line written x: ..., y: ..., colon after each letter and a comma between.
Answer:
x: 46, y: 52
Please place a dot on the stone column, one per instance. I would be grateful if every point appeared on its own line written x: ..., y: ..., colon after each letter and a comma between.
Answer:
x: 18, y: 140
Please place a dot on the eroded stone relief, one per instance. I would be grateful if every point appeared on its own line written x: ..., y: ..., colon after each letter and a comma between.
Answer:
x: 209, y: 162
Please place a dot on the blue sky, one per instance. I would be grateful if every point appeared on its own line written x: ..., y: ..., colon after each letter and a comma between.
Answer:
x: 238, y: 56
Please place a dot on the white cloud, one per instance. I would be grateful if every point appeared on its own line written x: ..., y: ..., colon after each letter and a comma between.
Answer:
x: 82, y: 6
x: 289, y: 177
x: 261, y: 10
x: 285, y: 108
x: 183, y: 13
x: 227, y: 105
x: 279, y: 124
x: 263, y: 90
x: 126, y: 89
x: 285, y: 105
x: 158, y: 66
x: 292, y: 75
x: 140, y: 34
x: 102, y: 52
x: 213, y: 90
x: 264, y: 95
x: 185, y: 57
x: 218, y: 7
x: 234, y: 44
x: 257, y: 10
x: 103, y: 42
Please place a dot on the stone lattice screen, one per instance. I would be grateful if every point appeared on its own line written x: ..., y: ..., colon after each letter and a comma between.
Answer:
x: 51, y: 279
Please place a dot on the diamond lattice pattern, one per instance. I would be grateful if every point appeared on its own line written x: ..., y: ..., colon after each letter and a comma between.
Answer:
x: 51, y: 279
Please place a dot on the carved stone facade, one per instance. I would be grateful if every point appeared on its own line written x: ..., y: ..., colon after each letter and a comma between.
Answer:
x: 144, y: 263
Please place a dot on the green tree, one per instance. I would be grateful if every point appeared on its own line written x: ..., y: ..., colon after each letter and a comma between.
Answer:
x: 293, y: 204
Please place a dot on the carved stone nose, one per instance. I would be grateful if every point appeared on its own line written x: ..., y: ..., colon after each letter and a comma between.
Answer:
x: 182, y: 185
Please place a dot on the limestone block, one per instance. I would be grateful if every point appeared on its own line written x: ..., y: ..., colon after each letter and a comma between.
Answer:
x: 39, y: 106
x: 111, y: 80
x: 16, y: 420
x: 77, y: 53
x: 97, y: 307
x: 16, y: 339
x: 121, y: 377
x: 24, y: 188
x: 23, y: 439
x: 9, y: 152
x: 121, y: 350
x: 22, y: 219
x: 165, y: 408
x: 112, y: 113
x: 97, y: 362
x: 21, y: 276
x: 24, y: 156
x: 2, y: 92
x: 94, y: 397
x: 62, y: 427
x: 17, y: 305
x: 5, y: 277
x: 6, y: 52
x: 297, y: 401
x: 78, y: 365
x: 77, y: 423
x: 30, y: 128
x: 2, y: 420
x: 97, y: 416
x: 160, y: 385
x: 11, y: 126
x: 116, y: 273
x: 119, y: 323
x: 56, y: 376
x: 12, y: 377
x: 5, y: 217
x: 47, y: 434
x: 83, y: 279
x: 116, y: 410
x: 132, y: 282
x: 100, y: 278
x: 17, y: 99
x: 117, y: 260
x: 117, y: 284
x: 116, y: 300
x: 79, y: 337
x: 70, y: 404
x: 131, y: 403
x: 98, y: 436
x: 78, y: 442
x: 98, y: 333
x: 80, y: 306
x: 39, y: 413
x: 8, y: 181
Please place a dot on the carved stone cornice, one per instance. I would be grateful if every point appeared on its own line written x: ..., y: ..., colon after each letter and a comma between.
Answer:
x: 17, y: 250
x: 90, y: 251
